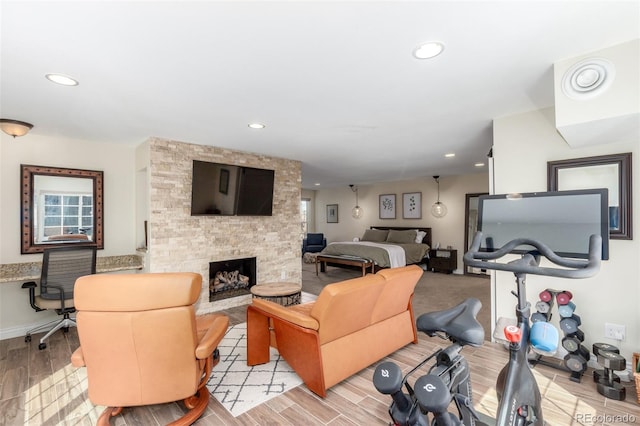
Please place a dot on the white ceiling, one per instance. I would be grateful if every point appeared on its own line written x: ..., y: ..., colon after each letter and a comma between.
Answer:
x: 335, y: 82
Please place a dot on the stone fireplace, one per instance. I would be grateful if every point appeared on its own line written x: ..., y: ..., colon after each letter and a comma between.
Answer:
x: 178, y: 241
x: 231, y: 278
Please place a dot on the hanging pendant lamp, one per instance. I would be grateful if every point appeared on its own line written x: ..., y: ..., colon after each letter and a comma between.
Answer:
x: 356, y: 212
x: 438, y: 209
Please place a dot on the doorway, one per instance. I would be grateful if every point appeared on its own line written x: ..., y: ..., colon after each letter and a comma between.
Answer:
x: 470, y: 228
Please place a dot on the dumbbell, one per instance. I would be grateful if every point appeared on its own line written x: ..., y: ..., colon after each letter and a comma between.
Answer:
x: 576, y: 361
x: 570, y: 324
x: 571, y: 342
x: 565, y: 311
x: 604, y: 347
x: 543, y: 307
x: 609, y: 384
x: 434, y: 397
x: 537, y: 316
x: 564, y: 297
x: 387, y: 379
x: 601, y: 373
x: 546, y: 296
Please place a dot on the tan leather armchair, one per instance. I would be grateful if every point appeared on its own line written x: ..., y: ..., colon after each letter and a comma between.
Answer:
x: 142, y: 343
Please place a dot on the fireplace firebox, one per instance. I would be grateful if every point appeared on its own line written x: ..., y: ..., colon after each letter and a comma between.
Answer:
x: 231, y: 278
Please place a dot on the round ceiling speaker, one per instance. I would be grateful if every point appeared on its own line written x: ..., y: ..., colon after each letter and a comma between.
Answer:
x: 588, y: 78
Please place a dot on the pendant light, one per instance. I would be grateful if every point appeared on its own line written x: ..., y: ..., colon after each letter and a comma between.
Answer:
x: 438, y: 209
x: 356, y: 212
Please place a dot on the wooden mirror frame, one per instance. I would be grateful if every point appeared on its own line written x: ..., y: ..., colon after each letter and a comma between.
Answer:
x: 27, y: 174
x: 623, y: 161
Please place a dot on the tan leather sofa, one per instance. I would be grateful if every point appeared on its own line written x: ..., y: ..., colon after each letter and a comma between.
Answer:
x: 351, y: 325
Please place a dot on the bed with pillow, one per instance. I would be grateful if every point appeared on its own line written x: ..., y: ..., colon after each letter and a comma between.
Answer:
x: 387, y: 247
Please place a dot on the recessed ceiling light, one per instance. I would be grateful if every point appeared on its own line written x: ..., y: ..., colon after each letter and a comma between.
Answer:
x: 450, y: 155
x: 65, y: 80
x: 479, y: 164
x: 428, y: 50
x: 317, y: 184
x: 256, y: 125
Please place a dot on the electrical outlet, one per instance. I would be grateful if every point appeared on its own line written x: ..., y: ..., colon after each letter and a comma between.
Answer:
x: 283, y: 275
x: 614, y: 331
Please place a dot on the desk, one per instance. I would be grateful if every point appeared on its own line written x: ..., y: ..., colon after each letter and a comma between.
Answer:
x: 323, y: 259
x: 30, y: 271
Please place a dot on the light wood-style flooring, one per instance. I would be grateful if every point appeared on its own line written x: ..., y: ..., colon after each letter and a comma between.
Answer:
x: 42, y: 388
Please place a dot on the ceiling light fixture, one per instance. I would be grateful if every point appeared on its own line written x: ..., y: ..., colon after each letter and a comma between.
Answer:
x: 257, y: 126
x: 428, y: 50
x: 14, y: 127
x: 438, y: 209
x: 62, y: 79
x: 479, y: 164
x: 450, y: 155
x: 356, y: 212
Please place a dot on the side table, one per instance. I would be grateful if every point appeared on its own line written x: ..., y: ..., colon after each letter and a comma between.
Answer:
x: 285, y: 294
x: 443, y: 260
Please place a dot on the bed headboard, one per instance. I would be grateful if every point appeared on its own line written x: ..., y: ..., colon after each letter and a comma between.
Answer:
x: 426, y: 240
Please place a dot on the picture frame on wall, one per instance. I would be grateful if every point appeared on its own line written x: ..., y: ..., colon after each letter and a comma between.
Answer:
x: 332, y: 213
x: 606, y: 171
x: 412, y: 205
x: 387, y: 206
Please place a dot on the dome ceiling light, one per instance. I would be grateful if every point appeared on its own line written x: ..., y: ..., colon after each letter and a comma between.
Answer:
x: 428, y: 50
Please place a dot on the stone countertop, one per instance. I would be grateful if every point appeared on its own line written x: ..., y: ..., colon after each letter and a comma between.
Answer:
x: 30, y: 271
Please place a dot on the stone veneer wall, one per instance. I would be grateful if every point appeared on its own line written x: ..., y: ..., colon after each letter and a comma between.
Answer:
x: 179, y: 242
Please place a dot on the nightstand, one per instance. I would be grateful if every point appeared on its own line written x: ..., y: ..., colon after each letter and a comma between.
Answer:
x: 443, y: 260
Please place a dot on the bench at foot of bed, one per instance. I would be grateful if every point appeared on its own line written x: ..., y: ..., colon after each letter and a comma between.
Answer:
x: 323, y: 259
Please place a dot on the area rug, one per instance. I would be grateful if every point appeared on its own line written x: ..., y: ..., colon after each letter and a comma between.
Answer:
x: 240, y: 387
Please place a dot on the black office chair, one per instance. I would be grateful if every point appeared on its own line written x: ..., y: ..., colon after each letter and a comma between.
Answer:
x: 61, y: 267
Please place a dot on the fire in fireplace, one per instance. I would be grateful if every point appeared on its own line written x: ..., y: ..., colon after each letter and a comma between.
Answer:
x: 231, y: 278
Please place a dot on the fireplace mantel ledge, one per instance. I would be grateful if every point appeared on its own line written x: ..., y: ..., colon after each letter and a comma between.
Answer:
x: 29, y: 271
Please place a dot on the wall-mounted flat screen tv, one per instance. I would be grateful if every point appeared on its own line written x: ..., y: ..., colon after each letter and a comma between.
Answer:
x: 563, y: 220
x: 229, y: 190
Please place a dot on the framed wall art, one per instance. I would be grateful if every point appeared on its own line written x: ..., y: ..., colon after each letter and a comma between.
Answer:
x: 387, y: 206
x: 606, y: 171
x: 412, y: 205
x: 332, y: 213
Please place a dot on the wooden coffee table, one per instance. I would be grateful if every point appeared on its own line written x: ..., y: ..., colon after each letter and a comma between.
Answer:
x: 323, y: 259
x: 285, y: 294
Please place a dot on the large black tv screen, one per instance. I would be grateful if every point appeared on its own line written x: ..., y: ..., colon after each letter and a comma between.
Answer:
x: 229, y: 190
x: 563, y: 220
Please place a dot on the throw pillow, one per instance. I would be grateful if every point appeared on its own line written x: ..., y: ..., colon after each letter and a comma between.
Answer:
x: 375, y: 235
x: 401, y: 237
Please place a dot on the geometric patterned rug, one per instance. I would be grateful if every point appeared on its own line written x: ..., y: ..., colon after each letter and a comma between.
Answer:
x: 240, y: 387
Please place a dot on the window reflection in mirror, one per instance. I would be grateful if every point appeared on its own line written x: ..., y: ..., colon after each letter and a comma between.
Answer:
x: 62, y: 209
x: 59, y: 207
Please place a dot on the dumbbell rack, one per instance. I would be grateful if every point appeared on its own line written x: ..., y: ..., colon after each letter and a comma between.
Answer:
x: 578, y: 355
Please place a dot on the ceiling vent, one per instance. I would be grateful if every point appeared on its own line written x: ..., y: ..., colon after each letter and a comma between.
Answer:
x: 597, y: 96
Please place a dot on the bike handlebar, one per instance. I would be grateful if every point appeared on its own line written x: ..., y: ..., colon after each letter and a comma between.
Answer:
x: 528, y: 264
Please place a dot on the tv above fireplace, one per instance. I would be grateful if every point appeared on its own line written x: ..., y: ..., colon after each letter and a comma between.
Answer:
x: 230, y: 190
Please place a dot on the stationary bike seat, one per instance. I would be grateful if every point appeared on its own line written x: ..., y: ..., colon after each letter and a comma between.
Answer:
x: 459, y: 323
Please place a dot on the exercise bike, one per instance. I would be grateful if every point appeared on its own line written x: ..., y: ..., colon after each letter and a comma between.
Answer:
x: 449, y: 379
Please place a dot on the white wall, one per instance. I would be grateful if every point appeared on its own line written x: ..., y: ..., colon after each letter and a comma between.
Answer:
x: 117, y: 163
x: 522, y: 146
x: 448, y: 230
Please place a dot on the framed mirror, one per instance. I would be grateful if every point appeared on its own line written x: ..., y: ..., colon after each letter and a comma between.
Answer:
x: 59, y: 207
x: 606, y: 171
